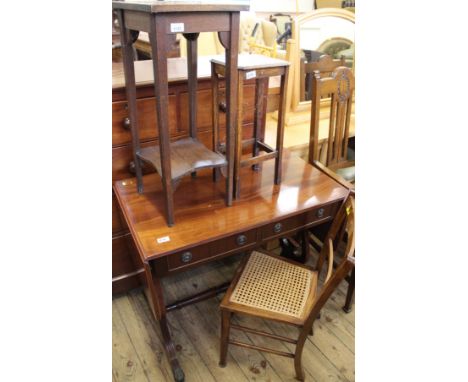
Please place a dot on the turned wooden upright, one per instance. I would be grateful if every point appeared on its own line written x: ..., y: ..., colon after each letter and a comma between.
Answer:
x: 163, y: 20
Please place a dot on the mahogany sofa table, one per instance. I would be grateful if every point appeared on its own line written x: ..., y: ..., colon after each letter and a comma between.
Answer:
x: 207, y: 230
x: 163, y: 20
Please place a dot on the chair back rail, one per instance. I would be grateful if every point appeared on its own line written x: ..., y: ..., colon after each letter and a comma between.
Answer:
x: 325, y: 65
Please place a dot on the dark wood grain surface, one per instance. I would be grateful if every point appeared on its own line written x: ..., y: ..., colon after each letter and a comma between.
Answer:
x: 202, y: 215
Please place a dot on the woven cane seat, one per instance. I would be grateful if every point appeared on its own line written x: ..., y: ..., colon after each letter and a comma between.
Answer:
x: 272, y: 287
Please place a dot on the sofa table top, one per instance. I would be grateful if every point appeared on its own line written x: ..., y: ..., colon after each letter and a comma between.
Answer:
x: 201, y: 215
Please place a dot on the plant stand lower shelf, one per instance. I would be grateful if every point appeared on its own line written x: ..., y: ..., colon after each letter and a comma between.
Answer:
x: 187, y: 156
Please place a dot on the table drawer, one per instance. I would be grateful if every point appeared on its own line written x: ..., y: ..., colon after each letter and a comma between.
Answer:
x: 186, y: 258
x: 279, y: 228
x: 234, y: 242
x: 320, y: 213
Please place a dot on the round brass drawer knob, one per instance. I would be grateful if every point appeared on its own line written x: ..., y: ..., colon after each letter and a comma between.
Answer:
x: 186, y: 257
x: 320, y: 212
x: 126, y: 124
x: 241, y: 239
x: 277, y: 227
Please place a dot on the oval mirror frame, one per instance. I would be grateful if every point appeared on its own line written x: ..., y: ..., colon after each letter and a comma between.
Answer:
x: 296, y: 104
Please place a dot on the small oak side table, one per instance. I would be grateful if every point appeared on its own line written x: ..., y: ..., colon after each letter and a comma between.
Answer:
x: 162, y: 20
x: 261, y: 68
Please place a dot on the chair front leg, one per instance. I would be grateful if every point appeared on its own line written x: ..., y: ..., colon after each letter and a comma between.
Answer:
x: 225, y: 326
x: 350, y: 293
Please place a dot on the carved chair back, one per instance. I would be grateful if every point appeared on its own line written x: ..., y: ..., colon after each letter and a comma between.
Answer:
x: 340, y: 86
x: 325, y: 65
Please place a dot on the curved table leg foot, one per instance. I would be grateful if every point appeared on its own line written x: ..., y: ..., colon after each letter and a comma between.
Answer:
x: 178, y: 372
x: 170, y: 351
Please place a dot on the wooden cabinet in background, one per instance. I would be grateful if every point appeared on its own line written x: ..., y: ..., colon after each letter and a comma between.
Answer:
x: 125, y: 275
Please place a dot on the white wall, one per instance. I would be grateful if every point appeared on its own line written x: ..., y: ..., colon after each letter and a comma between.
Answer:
x: 285, y: 6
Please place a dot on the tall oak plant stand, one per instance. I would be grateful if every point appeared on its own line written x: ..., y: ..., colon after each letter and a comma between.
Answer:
x: 162, y: 21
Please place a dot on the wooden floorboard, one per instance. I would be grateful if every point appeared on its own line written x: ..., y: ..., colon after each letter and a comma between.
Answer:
x: 138, y: 353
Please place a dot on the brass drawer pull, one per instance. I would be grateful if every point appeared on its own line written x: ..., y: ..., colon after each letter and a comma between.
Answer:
x: 186, y: 257
x: 320, y: 212
x: 144, y: 167
x: 126, y: 124
x: 241, y: 239
x: 277, y: 227
x: 223, y: 106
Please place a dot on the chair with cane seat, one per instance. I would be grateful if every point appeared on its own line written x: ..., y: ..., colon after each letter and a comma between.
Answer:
x: 270, y: 287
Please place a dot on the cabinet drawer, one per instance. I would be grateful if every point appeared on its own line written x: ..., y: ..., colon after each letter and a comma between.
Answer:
x: 122, y: 262
x: 122, y: 157
x: 281, y: 227
x: 121, y: 162
x: 117, y: 224
x: 204, y: 109
x: 187, y: 258
x: 147, y: 124
x: 234, y: 242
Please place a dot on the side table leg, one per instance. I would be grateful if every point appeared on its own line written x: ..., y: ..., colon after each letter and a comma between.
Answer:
x: 230, y: 41
x: 192, y: 80
x: 159, y: 310
x: 215, y: 114
x: 238, y: 134
x: 280, y: 131
x: 158, y: 39
x: 261, y: 91
x: 192, y: 83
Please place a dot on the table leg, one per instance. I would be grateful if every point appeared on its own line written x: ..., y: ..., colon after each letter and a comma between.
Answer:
x: 159, y: 310
x: 192, y: 83
x: 238, y: 134
x: 129, y: 73
x: 280, y: 131
x: 192, y: 80
x: 158, y: 40
x: 230, y: 41
x: 215, y: 114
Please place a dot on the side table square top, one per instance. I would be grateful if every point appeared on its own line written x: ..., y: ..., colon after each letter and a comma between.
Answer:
x: 163, y: 6
x: 247, y: 61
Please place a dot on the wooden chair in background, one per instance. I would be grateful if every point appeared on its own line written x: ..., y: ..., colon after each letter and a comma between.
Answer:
x: 332, y: 156
x: 325, y: 65
x: 296, y: 299
x: 334, y: 153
